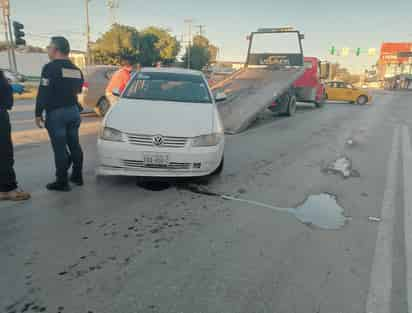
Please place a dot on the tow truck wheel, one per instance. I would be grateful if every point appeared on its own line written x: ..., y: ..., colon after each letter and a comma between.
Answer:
x: 291, y: 106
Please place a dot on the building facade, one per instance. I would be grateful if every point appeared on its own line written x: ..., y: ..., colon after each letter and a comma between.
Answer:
x: 395, y: 64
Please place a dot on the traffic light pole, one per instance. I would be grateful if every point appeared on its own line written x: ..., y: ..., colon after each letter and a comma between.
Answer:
x: 5, y: 13
x: 13, y: 51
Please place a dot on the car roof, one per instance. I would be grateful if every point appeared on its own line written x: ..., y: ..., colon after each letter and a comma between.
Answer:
x: 171, y: 70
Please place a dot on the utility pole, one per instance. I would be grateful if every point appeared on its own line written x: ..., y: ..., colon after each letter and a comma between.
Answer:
x: 87, y: 33
x: 113, y: 5
x: 201, y: 27
x: 189, y: 22
x: 5, y: 5
x: 5, y: 9
x: 13, y: 52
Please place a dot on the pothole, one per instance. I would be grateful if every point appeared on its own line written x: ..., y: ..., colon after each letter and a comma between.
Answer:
x: 342, y: 166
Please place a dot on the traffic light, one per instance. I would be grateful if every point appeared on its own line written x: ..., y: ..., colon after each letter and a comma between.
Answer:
x: 345, y: 52
x: 372, y: 52
x: 332, y: 50
x: 358, y: 51
x: 19, y: 34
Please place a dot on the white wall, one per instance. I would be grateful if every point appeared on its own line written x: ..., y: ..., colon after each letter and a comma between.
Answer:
x: 27, y: 63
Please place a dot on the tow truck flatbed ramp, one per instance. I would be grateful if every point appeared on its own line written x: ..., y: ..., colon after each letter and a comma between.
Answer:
x: 251, y: 91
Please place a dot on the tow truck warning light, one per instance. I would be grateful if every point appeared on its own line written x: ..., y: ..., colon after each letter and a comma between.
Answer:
x: 273, y: 30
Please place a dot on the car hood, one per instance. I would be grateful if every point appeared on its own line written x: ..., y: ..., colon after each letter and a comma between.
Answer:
x: 166, y: 118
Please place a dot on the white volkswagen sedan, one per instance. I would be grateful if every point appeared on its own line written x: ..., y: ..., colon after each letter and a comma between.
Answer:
x: 165, y: 124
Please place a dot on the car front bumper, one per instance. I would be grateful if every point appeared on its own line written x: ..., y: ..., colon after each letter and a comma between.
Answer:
x: 125, y: 159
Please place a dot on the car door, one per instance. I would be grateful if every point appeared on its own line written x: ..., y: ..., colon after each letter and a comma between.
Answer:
x: 341, y: 92
x: 350, y: 93
x: 331, y: 91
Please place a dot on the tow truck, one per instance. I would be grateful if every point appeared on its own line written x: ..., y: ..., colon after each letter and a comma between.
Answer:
x: 274, y: 62
x: 310, y: 87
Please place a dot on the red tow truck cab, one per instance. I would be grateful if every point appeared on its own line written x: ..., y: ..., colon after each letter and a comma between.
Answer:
x: 309, y: 87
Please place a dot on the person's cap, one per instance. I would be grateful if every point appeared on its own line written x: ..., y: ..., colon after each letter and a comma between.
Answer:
x: 61, y: 44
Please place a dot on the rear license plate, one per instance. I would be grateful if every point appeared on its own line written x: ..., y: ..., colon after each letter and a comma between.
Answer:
x: 156, y: 159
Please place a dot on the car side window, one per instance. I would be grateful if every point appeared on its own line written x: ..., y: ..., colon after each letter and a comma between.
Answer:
x: 340, y: 85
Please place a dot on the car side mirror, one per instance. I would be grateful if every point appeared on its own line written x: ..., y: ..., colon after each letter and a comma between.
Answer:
x: 116, y: 92
x: 220, y: 96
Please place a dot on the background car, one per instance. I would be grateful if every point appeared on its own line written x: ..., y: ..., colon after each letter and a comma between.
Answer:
x: 165, y: 124
x: 96, y: 79
x: 341, y: 91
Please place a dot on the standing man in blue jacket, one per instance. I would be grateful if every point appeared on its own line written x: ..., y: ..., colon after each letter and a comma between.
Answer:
x: 61, y: 82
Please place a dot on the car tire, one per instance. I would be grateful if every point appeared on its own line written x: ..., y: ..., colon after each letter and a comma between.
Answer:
x: 102, y: 107
x: 291, y: 106
x: 219, y: 169
x: 362, y: 100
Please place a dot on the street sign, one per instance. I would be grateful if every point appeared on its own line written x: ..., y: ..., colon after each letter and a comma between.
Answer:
x: 276, y: 30
x: 405, y: 54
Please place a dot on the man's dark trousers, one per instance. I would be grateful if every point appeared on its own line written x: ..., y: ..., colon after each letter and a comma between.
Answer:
x: 63, y: 126
x: 7, y: 174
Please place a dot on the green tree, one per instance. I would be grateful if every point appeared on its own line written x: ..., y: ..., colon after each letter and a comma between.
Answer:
x: 148, y: 52
x: 213, y: 51
x: 201, y: 53
x: 167, y: 47
x: 119, y: 40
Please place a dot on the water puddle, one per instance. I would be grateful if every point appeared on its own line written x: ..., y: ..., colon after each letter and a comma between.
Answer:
x: 318, y: 211
x: 322, y: 211
x: 343, y: 167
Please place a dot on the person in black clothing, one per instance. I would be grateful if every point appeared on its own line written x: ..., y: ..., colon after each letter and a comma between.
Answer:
x: 61, y: 82
x: 8, y: 184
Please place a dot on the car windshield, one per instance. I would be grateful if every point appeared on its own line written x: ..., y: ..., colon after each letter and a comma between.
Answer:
x: 168, y: 87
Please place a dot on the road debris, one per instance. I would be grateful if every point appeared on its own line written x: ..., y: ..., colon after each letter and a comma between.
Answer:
x: 342, y: 166
x: 374, y: 219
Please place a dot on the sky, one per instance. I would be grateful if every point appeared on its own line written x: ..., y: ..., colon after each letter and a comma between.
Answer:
x: 351, y: 23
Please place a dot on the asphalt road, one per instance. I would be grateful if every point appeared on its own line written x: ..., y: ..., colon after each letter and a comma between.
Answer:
x: 228, y: 246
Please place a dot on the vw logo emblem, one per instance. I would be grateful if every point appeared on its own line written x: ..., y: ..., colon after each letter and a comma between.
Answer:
x: 158, y: 140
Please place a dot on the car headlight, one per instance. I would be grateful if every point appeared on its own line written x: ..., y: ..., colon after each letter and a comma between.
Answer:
x: 111, y: 134
x: 207, y: 140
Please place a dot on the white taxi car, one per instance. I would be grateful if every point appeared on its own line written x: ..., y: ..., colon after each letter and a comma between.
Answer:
x: 165, y: 124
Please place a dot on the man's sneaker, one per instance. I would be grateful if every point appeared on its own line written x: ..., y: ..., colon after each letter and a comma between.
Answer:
x: 77, y: 180
x: 58, y: 186
x: 15, y: 195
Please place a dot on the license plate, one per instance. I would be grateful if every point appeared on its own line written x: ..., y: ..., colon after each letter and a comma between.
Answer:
x: 156, y: 159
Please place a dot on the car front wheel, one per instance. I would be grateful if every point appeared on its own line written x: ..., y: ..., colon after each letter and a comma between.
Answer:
x: 362, y: 100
